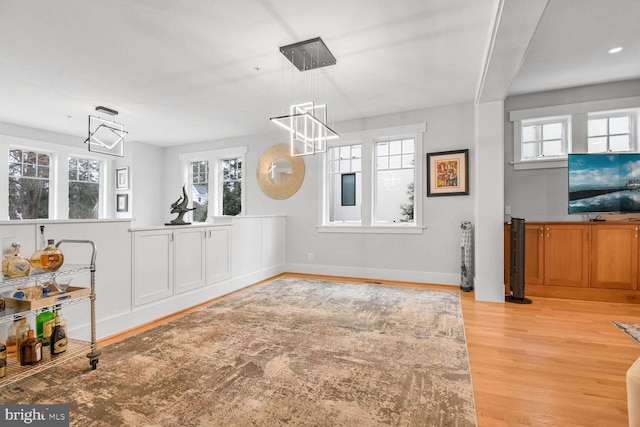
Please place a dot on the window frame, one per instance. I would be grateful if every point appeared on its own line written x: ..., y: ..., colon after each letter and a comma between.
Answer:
x: 565, y: 138
x: 215, y: 157
x: 631, y: 114
x: 59, y: 177
x: 369, y: 139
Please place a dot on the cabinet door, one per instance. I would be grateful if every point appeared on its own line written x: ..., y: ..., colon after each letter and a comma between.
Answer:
x: 152, y: 266
x: 566, y: 255
x: 189, y: 259
x: 218, y: 264
x: 614, y: 256
x: 534, y: 254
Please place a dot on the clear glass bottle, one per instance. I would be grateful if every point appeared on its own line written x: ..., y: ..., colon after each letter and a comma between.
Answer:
x: 30, y: 350
x: 36, y: 258
x: 11, y: 338
x: 51, y: 257
x: 58, y: 338
x: 17, y: 266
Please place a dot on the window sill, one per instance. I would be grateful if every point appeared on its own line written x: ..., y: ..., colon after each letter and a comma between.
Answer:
x: 540, y: 164
x: 380, y: 229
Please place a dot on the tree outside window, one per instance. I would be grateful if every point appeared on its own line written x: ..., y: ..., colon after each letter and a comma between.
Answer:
x: 28, y: 184
x: 231, y: 186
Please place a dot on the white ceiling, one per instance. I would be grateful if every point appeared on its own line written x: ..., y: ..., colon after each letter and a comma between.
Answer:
x: 189, y: 71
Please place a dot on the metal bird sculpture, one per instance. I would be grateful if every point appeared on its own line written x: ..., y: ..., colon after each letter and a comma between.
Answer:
x: 180, y: 207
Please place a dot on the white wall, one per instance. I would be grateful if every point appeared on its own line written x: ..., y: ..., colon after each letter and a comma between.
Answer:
x: 542, y: 194
x: 433, y: 256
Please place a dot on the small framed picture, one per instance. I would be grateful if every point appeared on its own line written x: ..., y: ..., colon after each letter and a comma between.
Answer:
x: 122, y: 202
x: 448, y: 173
x: 122, y: 178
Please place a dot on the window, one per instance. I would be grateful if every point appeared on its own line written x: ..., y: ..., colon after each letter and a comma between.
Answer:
x: 610, y: 132
x: 231, y: 186
x: 395, y: 176
x: 217, y: 182
x: 544, y: 138
x: 200, y: 190
x: 29, y: 173
x: 345, y: 163
x: 371, y: 179
x: 84, y: 188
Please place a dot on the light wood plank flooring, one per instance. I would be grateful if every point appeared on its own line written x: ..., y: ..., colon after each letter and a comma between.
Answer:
x: 554, y: 363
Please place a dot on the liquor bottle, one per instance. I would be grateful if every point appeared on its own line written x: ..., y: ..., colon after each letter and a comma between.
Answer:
x: 11, y: 337
x: 36, y: 258
x: 44, y: 326
x: 16, y: 266
x: 58, y: 338
x: 51, y: 257
x: 30, y: 350
x: 22, y: 333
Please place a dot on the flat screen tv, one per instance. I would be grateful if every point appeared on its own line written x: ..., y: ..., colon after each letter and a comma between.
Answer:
x: 603, y: 183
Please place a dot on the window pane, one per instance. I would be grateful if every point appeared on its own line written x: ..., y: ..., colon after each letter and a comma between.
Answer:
x: 29, y: 170
x: 28, y: 198
x: 529, y: 133
x: 232, y: 187
x: 84, y: 188
x: 407, y: 146
x: 597, y: 127
x: 351, y: 164
x: 619, y: 143
x: 15, y: 156
x: 15, y: 170
x: 43, y: 172
x: 407, y: 161
x: 597, y: 145
x: 29, y: 157
x: 395, y: 162
x: 618, y: 125
x: 529, y: 151
x: 84, y: 199
x: 200, y: 190
x: 552, y: 148
x: 382, y: 148
x: 395, y: 147
x: 394, y: 196
x: 552, y: 131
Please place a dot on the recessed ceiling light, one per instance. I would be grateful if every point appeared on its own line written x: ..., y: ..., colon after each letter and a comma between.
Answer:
x: 615, y: 50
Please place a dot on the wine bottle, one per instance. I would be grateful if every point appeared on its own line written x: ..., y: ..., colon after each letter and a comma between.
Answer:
x: 58, y: 338
x: 30, y: 350
x: 52, y: 257
x: 44, y: 326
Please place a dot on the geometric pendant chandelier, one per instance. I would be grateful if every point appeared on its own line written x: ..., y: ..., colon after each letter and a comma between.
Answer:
x: 106, y: 136
x: 307, y: 122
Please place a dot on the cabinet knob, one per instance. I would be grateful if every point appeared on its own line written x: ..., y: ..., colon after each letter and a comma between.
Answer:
x: 636, y: 232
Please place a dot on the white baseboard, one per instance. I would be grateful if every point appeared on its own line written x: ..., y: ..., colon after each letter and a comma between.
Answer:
x: 377, y: 273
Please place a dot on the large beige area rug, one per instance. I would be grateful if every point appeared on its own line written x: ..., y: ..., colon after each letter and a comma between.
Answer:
x: 289, y: 352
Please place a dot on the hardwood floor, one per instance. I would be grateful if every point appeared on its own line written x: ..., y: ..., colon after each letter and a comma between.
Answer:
x: 554, y: 363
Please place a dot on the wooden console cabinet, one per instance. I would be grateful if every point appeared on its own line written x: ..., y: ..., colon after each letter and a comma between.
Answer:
x: 592, y: 261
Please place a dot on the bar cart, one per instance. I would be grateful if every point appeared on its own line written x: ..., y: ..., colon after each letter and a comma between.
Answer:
x: 16, y: 309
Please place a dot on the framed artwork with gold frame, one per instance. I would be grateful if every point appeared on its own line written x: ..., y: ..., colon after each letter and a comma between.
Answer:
x: 448, y: 173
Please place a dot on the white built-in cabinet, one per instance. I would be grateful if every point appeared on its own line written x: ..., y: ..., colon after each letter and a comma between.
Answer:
x: 175, y: 260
